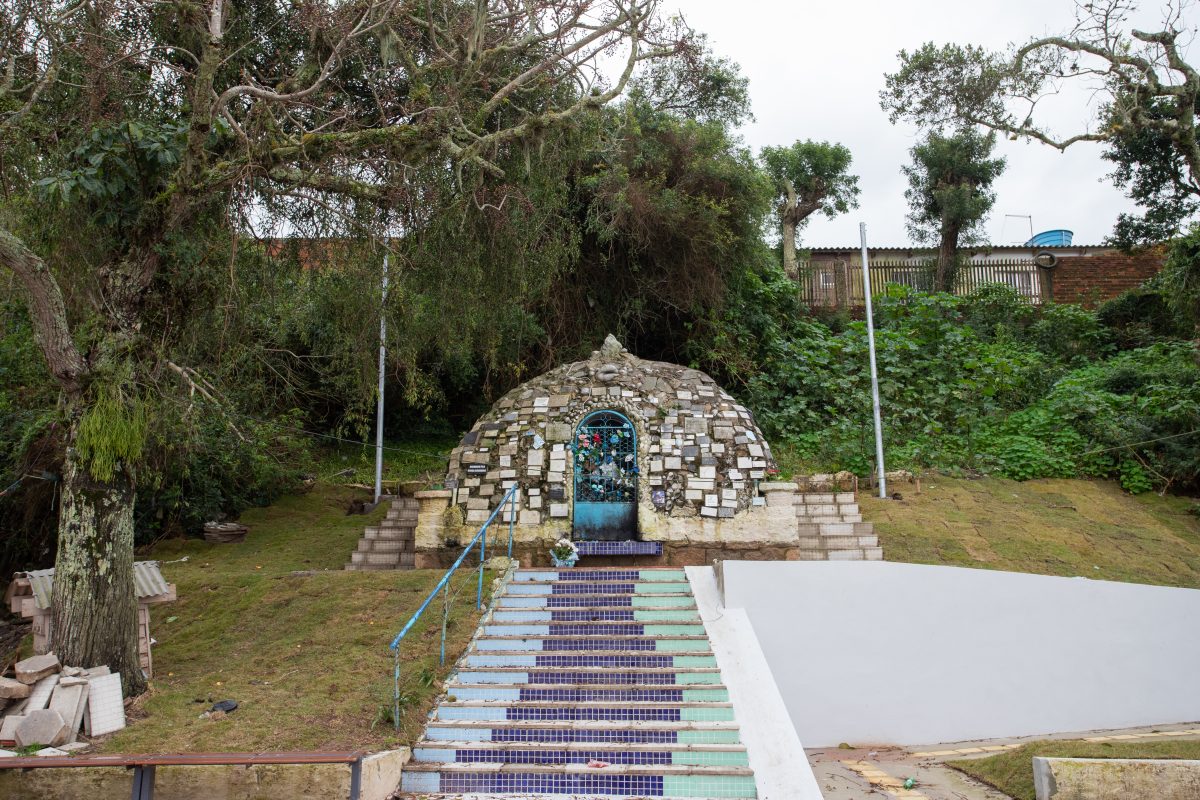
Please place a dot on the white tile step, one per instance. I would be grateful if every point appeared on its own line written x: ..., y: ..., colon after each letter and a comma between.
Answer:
x: 474, y: 651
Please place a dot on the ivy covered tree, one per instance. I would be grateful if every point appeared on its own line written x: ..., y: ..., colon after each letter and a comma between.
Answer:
x: 810, y: 177
x: 1148, y: 91
x: 949, y: 194
x: 137, y: 138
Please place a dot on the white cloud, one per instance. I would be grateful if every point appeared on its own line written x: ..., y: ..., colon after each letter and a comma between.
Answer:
x: 816, y: 70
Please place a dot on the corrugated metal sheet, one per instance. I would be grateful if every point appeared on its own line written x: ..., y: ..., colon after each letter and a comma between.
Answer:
x: 147, y: 578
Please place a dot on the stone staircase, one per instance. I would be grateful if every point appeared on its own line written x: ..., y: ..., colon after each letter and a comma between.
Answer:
x: 831, y: 528
x: 606, y: 666
x: 391, y: 545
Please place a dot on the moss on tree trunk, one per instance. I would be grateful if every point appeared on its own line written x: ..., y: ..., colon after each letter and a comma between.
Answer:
x: 95, y: 602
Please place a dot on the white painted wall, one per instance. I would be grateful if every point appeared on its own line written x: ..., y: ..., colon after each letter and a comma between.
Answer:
x: 781, y: 768
x: 882, y: 652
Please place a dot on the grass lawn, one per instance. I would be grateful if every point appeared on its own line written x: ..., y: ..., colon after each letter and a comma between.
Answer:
x: 275, y: 624
x: 1048, y: 527
x: 1012, y: 772
x: 413, y: 458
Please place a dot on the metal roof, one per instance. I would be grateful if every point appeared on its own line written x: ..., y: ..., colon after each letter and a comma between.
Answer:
x: 147, y: 578
x: 980, y: 248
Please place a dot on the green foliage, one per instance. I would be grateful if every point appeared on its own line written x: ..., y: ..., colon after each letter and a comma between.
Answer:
x: 950, y: 185
x: 1181, y: 276
x: 818, y: 171
x: 985, y: 384
x: 1142, y: 316
x: 111, y: 433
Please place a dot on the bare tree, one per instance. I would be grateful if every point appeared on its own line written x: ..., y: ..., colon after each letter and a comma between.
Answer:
x: 1145, y: 83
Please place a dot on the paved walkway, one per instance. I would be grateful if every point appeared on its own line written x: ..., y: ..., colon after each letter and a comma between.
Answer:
x: 881, y: 772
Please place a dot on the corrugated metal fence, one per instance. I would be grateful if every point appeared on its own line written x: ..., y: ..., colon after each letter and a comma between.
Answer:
x: 839, y: 284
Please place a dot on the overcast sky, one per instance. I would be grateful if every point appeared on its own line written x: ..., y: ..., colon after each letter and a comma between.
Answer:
x: 816, y: 69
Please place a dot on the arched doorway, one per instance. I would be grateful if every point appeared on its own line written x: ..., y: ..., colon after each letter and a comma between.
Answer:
x: 606, y: 474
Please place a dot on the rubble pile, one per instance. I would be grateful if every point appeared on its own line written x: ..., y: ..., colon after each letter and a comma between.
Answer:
x: 50, y: 705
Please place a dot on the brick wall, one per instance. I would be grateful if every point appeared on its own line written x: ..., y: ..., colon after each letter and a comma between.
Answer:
x: 1091, y: 280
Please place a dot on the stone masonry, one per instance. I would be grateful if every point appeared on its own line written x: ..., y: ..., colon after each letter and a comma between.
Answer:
x: 696, y: 444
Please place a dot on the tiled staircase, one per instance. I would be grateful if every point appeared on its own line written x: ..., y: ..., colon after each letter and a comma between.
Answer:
x: 392, y: 544
x: 831, y: 528
x: 608, y: 666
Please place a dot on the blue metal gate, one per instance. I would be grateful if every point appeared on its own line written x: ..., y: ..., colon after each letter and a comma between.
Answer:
x: 606, y: 474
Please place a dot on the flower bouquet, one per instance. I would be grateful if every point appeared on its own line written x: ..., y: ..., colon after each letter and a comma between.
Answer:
x: 564, y: 553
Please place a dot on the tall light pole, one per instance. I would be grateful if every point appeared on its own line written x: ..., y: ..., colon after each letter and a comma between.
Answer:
x: 862, y: 233
x: 382, y: 357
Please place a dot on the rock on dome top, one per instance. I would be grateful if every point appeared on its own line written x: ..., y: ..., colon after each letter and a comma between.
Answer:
x: 695, y: 442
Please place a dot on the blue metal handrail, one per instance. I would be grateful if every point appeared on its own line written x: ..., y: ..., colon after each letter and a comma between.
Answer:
x: 443, y: 585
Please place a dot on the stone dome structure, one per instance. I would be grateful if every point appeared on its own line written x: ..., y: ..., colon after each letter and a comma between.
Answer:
x: 613, y: 447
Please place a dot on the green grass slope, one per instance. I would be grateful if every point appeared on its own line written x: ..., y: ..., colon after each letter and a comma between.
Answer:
x: 1012, y: 772
x: 275, y: 624
x: 1047, y: 527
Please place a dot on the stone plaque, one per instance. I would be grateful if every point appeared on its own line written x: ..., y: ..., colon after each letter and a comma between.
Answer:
x: 557, y: 493
x: 477, y: 469
x: 659, y: 498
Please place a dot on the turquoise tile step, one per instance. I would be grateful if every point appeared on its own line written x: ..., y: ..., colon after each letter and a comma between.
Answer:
x: 511, y: 693
x: 553, y: 602
x: 604, y: 658
x: 580, y: 752
x: 596, y: 615
x: 632, y: 713
x: 569, y: 644
x: 589, y: 575
x: 467, y: 730
x: 591, y: 676
x: 577, y: 780
x: 599, y: 628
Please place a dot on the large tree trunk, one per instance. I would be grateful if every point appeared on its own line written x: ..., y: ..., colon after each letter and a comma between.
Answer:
x: 788, y: 220
x: 95, y: 603
x: 943, y: 277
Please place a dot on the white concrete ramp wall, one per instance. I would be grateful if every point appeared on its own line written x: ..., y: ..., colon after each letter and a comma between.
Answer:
x: 912, y: 654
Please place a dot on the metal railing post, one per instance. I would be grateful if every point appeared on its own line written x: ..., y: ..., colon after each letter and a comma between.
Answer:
x: 512, y: 517
x: 396, y: 690
x: 445, y: 620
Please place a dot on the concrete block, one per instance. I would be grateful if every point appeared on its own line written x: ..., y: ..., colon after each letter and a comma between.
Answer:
x: 34, y: 668
x: 695, y: 425
x: 673, y: 462
x: 42, y: 727
x: 708, y: 472
x: 530, y: 518
x: 1115, y: 778
x: 106, y: 708
x: 14, y: 690
x: 70, y: 702
x: 8, y: 727
x: 558, y: 510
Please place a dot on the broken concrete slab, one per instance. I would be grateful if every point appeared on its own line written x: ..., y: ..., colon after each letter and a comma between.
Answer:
x: 7, y: 754
x: 39, y: 698
x: 50, y: 752
x: 71, y: 672
x: 42, y: 727
x: 1115, y: 778
x: 72, y: 680
x: 34, y: 668
x: 8, y: 727
x: 96, y: 672
x: 75, y: 747
x: 106, y: 707
x: 70, y: 702
x: 14, y: 690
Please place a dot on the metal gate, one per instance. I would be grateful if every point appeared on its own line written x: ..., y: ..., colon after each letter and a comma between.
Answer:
x: 606, y: 474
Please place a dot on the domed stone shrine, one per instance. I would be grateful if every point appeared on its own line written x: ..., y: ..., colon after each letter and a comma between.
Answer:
x: 615, y: 449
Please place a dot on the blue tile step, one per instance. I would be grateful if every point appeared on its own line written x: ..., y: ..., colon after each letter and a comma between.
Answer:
x: 618, y: 780
x: 603, y: 658
x: 619, y: 548
x: 601, y: 628
x: 596, y: 587
x: 556, y: 732
x: 441, y: 752
x: 665, y: 600
x: 656, y: 711
x: 630, y: 693
x: 597, y: 614
x: 601, y: 574
x: 591, y: 676
x: 544, y: 644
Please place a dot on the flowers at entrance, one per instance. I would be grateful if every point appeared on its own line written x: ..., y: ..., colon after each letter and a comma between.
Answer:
x: 564, y: 553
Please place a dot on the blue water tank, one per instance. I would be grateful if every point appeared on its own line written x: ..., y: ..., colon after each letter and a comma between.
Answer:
x: 1055, y: 238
